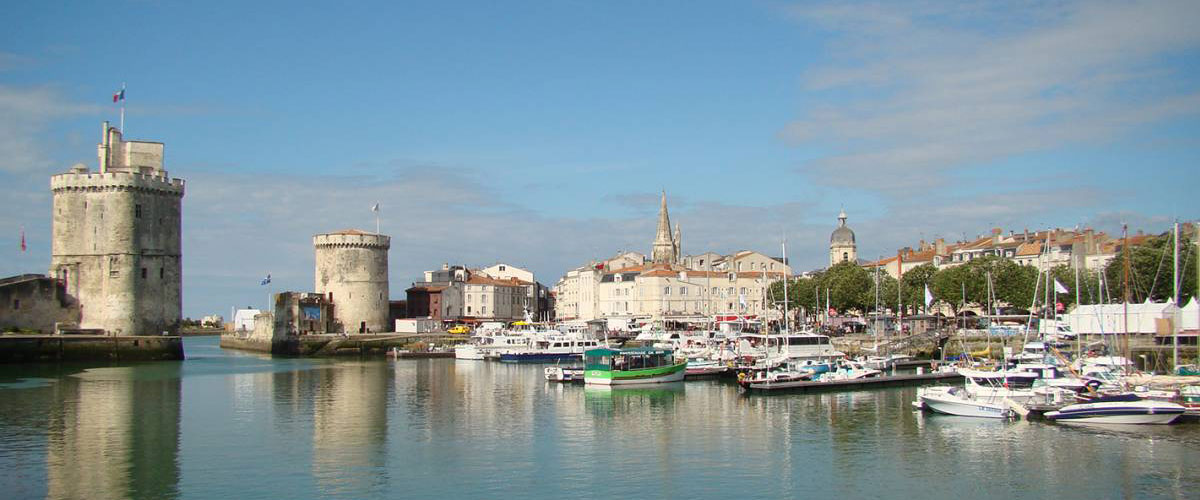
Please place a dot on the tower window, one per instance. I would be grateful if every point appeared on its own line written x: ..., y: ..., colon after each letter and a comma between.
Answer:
x: 137, y: 211
x: 143, y: 273
x: 16, y: 304
x: 160, y: 273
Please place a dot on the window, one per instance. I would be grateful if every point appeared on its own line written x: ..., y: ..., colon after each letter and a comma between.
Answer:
x: 742, y: 291
x: 501, y: 268
x: 845, y: 256
x: 468, y: 309
x: 483, y: 310
x: 16, y: 304
x: 714, y: 290
x: 683, y: 290
x: 113, y: 270
x: 137, y: 211
x: 161, y: 273
x: 666, y: 290
x: 143, y: 273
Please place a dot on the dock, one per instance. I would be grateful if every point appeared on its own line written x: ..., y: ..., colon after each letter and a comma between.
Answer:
x: 862, y: 383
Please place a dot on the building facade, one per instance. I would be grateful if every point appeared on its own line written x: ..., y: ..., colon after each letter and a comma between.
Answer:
x: 669, y: 284
x: 116, y: 239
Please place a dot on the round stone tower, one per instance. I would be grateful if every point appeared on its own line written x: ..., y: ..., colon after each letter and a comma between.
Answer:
x: 842, y: 247
x: 352, y: 272
x: 115, y: 239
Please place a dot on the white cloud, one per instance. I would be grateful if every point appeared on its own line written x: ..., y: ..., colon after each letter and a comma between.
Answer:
x: 922, y: 90
x: 25, y: 113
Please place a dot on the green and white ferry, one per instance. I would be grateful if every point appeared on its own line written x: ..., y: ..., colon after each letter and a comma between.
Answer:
x: 645, y: 365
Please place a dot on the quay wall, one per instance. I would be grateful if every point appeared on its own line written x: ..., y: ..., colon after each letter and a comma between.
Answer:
x: 336, y: 344
x: 56, y: 348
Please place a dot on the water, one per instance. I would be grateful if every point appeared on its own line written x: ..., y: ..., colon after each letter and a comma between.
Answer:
x: 225, y: 424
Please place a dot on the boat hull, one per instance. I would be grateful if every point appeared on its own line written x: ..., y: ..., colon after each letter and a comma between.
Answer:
x: 656, y: 375
x: 950, y: 404
x: 1125, y: 412
x: 540, y: 357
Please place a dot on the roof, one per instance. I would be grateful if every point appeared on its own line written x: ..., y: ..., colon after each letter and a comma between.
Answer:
x: 842, y: 234
x: 352, y: 232
x: 605, y: 351
x: 1026, y: 249
x: 484, y: 280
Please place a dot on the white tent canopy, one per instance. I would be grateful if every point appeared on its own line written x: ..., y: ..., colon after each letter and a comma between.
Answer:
x: 1191, y: 316
x: 1111, y: 318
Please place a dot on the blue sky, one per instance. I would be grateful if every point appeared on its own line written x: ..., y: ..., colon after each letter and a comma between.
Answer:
x: 540, y: 133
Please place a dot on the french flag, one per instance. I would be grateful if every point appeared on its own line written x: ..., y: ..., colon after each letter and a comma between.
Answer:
x: 119, y: 95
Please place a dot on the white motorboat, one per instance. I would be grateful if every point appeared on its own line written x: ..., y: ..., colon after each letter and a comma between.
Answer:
x: 1119, y: 409
x: 957, y: 401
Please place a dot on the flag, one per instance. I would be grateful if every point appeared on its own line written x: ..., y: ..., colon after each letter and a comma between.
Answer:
x: 928, y: 296
x: 266, y: 280
x: 1058, y: 287
x: 375, y: 208
x: 119, y: 95
x: 22, y: 239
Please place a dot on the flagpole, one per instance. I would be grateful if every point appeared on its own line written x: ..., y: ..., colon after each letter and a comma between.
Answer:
x: 122, y: 108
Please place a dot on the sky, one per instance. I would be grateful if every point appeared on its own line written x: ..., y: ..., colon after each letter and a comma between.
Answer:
x: 541, y: 134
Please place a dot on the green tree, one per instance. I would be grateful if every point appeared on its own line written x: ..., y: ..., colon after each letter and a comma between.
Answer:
x: 1150, y: 271
x: 950, y: 284
x: 848, y: 286
x: 912, y: 286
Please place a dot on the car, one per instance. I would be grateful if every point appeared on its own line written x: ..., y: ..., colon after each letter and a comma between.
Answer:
x: 459, y: 329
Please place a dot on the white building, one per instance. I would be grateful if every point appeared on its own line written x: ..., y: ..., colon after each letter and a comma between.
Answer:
x: 672, y: 285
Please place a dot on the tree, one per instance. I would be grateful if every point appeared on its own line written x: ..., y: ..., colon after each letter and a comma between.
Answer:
x: 913, y: 283
x: 1150, y: 271
x: 847, y: 285
x: 950, y: 284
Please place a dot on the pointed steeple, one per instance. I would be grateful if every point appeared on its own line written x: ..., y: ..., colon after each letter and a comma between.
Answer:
x: 663, y: 250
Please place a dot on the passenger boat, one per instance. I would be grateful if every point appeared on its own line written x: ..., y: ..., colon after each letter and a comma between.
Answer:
x: 550, y: 349
x: 644, y: 365
x: 1118, y: 409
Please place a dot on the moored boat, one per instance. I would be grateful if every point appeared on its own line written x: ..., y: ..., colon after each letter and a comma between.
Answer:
x: 1118, y: 409
x: 957, y: 401
x: 606, y: 366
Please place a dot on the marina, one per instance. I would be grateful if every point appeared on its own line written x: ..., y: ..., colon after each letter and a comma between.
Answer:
x: 358, y: 428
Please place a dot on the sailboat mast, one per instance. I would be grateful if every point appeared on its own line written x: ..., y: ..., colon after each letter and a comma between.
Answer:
x: 1175, y: 316
x: 1125, y: 249
x: 786, y: 277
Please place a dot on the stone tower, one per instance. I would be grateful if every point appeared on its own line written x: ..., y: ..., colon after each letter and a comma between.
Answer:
x: 352, y: 271
x: 115, y: 240
x: 842, y: 247
x: 665, y: 249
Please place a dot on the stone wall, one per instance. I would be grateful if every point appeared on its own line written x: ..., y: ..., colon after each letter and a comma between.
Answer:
x: 35, y: 302
x: 116, y: 245
x: 352, y: 272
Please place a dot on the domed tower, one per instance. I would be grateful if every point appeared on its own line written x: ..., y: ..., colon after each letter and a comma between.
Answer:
x: 115, y: 240
x: 352, y: 271
x: 842, y: 247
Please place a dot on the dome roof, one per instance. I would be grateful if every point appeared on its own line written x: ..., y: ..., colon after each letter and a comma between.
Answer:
x: 842, y: 235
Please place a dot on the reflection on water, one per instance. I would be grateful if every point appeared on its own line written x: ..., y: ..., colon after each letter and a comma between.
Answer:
x: 230, y: 425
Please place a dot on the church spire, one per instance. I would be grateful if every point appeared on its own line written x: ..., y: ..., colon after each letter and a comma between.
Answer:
x: 663, y: 250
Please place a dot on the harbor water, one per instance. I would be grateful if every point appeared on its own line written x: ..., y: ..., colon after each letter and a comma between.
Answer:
x: 225, y: 424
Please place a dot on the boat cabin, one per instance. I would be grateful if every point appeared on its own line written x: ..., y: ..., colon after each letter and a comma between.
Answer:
x: 627, y: 359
